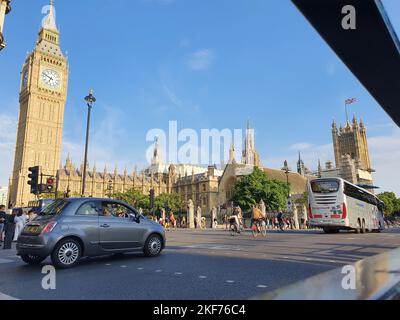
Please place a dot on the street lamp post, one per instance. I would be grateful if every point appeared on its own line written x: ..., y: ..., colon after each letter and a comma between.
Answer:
x: 286, y: 169
x: 90, y: 99
x: 5, y: 8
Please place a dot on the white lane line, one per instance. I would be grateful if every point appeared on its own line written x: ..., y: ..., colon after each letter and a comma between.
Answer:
x: 158, y: 270
x: 108, y: 264
x: 5, y: 261
x: 178, y: 273
x: 140, y: 268
x: 123, y: 266
x: 261, y: 286
x: 202, y: 277
x: 332, y: 261
x: 6, y: 297
x: 229, y: 281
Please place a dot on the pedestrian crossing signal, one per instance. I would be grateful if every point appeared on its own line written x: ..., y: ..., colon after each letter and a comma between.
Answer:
x: 50, y: 184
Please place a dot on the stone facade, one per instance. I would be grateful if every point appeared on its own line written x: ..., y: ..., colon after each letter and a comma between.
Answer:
x: 350, y: 147
x: 42, y: 98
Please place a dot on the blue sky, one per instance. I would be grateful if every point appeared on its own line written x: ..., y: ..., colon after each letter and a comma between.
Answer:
x: 206, y: 64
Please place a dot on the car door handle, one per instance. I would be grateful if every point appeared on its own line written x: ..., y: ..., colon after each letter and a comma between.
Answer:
x: 105, y: 225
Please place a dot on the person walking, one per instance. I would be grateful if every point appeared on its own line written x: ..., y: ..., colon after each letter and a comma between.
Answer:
x: 9, y: 229
x: 2, y: 221
x: 20, y: 221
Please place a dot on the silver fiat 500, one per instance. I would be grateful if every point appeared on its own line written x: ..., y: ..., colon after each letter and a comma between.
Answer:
x: 69, y: 229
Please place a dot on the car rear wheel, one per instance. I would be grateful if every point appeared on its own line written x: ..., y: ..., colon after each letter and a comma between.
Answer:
x: 153, y: 246
x: 32, y: 259
x: 66, y: 253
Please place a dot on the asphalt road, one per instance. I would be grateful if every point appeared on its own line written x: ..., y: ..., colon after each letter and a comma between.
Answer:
x: 198, y: 265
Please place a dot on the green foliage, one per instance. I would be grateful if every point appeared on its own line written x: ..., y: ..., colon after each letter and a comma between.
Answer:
x: 303, y: 200
x: 137, y: 199
x: 392, y: 203
x: 169, y: 201
x: 249, y: 190
x: 134, y: 197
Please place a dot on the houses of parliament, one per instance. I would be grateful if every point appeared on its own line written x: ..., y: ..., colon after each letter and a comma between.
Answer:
x: 42, y: 98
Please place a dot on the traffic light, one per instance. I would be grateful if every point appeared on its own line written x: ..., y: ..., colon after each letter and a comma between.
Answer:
x: 152, y: 198
x: 34, y: 179
x: 50, y: 181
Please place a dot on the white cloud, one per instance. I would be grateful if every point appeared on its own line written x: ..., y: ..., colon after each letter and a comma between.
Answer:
x: 201, y: 60
x: 8, y: 127
x: 385, y: 159
x: 300, y: 146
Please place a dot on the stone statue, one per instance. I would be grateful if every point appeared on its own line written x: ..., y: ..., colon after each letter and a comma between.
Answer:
x: 213, y: 217
x: 263, y: 208
x: 190, y: 214
x: 198, y: 214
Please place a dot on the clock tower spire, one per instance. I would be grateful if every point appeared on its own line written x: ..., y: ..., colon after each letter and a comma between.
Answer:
x: 42, y: 98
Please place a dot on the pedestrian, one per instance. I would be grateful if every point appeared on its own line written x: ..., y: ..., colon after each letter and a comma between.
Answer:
x: 9, y: 229
x: 20, y: 221
x: 2, y: 220
x: 215, y: 223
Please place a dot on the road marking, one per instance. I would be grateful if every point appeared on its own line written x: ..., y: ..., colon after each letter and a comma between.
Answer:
x: 6, y: 297
x: 308, y: 259
x: 108, y: 264
x: 123, y: 266
x: 229, y: 281
x: 158, y: 270
x: 178, y: 273
x: 285, y: 257
x: 202, y: 277
x: 5, y: 261
x: 332, y: 261
x: 140, y: 268
x: 261, y: 286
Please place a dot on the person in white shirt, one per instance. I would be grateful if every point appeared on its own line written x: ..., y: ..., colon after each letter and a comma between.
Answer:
x: 20, y: 221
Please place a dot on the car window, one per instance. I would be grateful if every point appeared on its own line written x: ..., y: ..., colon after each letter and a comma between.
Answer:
x: 88, y: 209
x: 113, y: 209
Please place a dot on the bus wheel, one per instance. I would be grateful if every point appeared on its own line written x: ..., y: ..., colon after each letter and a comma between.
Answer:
x: 363, y: 230
x: 327, y: 230
x: 358, y: 229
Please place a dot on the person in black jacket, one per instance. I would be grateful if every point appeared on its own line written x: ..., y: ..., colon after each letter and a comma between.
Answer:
x: 2, y: 219
x: 9, y: 229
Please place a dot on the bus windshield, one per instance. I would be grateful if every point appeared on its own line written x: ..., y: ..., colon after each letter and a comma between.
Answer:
x: 324, y: 186
x: 54, y: 208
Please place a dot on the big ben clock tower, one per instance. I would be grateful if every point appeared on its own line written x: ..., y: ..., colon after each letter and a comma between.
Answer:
x: 43, y: 93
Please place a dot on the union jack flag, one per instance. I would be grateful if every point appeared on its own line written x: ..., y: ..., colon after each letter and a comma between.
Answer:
x: 350, y: 101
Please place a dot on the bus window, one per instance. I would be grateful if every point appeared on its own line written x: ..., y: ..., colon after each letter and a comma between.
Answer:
x: 324, y: 186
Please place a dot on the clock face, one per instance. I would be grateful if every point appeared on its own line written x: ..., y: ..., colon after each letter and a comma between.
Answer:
x: 51, y: 78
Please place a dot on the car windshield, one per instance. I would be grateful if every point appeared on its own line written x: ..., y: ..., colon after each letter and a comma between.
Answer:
x: 54, y: 208
x: 325, y: 186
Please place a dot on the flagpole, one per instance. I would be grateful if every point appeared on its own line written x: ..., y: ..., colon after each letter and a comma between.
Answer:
x: 347, y: 115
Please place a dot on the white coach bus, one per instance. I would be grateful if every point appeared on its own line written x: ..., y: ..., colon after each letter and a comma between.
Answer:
x: 335, y: 204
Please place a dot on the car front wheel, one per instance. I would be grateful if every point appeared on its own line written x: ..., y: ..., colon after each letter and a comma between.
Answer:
x: 32, y: 259
x: 66, y: 253
x: 153, y: 246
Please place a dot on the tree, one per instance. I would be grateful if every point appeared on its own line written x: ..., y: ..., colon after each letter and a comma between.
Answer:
x: 251, y: 189
x: 134, y: 197
x: 169, y: 201
x: 392, y: 204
